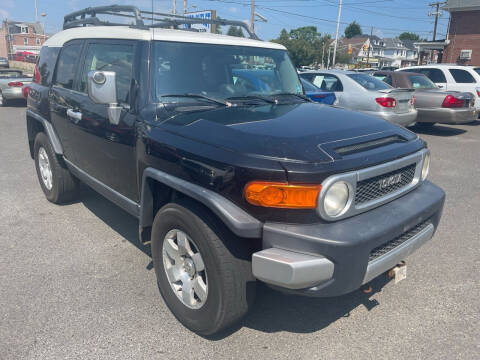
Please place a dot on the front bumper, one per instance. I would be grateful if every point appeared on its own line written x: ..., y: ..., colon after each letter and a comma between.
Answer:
x: 447, y: 116
x: 331, y: 259
x: 12, y: 93
x: 403, y: 119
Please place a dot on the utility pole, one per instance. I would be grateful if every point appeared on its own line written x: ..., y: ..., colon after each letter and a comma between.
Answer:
x: 36, y: 11
x: 336, y: 34
x: 328, y: 60
x: 174, y: 7
x: 184, y: 7
x: 252, y: 20
x: 437, y: 13
x: 323, y: 54
x: 369, y: 43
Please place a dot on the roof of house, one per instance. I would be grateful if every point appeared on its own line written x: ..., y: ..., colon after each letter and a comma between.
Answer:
x: 14, y: 24
x: 393, y: 43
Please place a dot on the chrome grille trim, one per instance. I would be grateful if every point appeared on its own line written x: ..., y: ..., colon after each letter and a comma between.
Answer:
x: 354, y: 177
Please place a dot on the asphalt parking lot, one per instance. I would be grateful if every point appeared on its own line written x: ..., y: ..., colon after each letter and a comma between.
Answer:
x: 75, y: 283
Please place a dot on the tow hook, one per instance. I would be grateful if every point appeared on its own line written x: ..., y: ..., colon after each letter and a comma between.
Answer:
x: 399, y: 272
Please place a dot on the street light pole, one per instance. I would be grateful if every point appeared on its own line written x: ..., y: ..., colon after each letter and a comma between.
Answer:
x: 36, y: 12
x: 336, y: 34
x: 252, y: 20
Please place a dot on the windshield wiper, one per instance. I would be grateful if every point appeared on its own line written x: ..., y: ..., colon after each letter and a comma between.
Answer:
x: 253, y: 97
x: 200, y: 96
x: 301, y: 96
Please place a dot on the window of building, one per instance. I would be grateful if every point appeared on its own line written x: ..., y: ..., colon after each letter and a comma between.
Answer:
x: 67, y: 65
x: 461, y: 76
x: 38, y: 41
x: 25, y: 41
x: 24, y: 29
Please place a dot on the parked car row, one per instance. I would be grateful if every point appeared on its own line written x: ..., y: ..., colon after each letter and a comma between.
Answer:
x: 406, y: 96
x: 12, y: 83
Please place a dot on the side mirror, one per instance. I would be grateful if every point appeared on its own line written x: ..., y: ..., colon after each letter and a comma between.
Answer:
x: 102, y: 89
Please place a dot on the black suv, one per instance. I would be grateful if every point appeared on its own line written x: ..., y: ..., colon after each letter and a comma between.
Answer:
x: 233, y: 174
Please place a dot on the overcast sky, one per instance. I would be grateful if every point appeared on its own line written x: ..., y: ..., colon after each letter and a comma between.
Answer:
x: 388, y: 17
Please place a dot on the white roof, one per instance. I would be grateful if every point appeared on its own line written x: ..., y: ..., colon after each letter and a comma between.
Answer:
x: 125, y: 32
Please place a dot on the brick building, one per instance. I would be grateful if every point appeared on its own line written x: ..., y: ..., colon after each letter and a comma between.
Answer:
x: 20, y: 36
x: 463, y: 41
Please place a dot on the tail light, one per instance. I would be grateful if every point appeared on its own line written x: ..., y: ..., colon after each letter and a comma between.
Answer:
x: 15, y: 84
x: 478, y: 91
x: 413, y: 101
x: 451, y: 101
x: 25, y: 91
x: 387, y: 102
x: 37, y: 78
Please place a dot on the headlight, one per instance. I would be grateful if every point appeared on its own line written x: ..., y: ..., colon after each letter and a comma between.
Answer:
x: 426, y: 166
x: 336, y: 199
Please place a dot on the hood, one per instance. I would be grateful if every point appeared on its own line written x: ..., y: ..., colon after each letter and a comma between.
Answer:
x: 287, y: 133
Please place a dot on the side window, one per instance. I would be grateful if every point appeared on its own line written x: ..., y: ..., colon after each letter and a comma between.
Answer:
x: 67, y: 66
x: 110, y: 57
x: 328, y: 82
x: 462, y: 76
x: 46, y: 64
x: 436, y: 75
x: 388, y: 80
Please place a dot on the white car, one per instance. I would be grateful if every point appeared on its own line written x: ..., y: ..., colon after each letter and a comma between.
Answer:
x: 451, y: 77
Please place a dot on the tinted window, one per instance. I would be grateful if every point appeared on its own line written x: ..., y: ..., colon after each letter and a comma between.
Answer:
x: 477, y: 70
x: 67, y: 65
x: 421, y: 82
x: 110, y: 57
x: 369, y: 82
x: 462, y: 76
x: 326, y: 82
x: 436, y: 75
x: 46, y: 64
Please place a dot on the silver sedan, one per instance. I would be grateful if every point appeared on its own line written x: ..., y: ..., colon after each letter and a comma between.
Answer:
x: 11, y: 84
x: 362, y: 92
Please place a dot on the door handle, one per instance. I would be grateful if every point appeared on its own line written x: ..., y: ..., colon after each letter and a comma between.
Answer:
x: 77, y: 116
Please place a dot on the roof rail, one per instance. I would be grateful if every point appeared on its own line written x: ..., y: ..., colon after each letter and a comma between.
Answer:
x: 88, y: 17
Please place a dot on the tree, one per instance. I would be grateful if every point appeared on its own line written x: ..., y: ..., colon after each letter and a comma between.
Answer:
x: 352, y: 30
x: 235, y: 31
x: 409, y: 36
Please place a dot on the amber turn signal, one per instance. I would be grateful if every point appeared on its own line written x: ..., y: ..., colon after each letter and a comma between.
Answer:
x: 282, y: 195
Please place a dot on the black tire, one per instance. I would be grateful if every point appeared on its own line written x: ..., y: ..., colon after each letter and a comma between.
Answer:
x: 64, y: 185
x: 227, y: 259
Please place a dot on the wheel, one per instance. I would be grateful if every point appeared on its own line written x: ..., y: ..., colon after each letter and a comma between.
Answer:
x: 203, y: 270
x: 58, y: 185
x: 3, y: 101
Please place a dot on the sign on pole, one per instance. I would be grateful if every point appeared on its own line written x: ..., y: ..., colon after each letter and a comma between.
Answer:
x: 205, y: 14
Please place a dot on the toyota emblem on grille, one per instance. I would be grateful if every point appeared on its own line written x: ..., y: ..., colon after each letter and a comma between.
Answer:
x: 389, y: 181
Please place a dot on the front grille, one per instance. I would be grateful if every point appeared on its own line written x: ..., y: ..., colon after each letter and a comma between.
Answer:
x: 392, y: 244
x: 381, y: 185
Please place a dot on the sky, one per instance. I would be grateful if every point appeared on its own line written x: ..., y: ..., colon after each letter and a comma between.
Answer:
x: 388, y: 18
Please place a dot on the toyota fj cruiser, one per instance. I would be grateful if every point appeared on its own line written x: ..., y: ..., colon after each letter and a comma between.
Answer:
x: 233, y: 180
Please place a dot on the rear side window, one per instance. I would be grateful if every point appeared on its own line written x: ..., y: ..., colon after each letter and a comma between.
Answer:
x: 421, y: 82
x: 326, y: 82
x: 462, y: 76
x: 67, y: 65
x: 369, y: 82
x: 46, y: 64
x: 110, y: 57
x: 308, y: 86
x: 436, y: 75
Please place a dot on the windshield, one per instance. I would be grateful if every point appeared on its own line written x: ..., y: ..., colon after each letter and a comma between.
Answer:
x: 421, y: 82
x: 369, y: 82
x: 220, y: 71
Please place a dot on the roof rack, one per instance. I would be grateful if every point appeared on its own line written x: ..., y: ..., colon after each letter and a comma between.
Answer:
x: 88, y: 17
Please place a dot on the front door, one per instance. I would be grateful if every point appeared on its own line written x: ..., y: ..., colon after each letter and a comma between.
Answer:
x: 103, y: 150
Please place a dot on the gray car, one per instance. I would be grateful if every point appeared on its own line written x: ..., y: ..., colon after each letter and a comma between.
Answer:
x: 11, y: 84
x: 362, y: 92
x: 4, y: 62
x: 434, y: 105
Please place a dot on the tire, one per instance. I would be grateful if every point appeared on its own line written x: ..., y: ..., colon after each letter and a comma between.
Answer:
x: 227, y: 263
x: 425, y: 124
x: 3, y: 101
x: 62, y: 186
